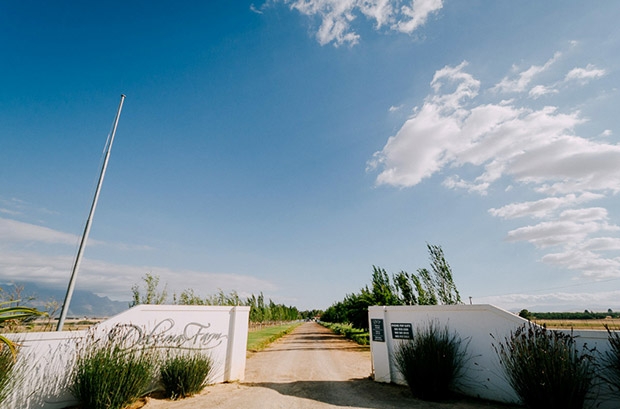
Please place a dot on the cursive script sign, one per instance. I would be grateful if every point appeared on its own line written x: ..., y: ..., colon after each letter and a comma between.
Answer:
x: 164, y: 334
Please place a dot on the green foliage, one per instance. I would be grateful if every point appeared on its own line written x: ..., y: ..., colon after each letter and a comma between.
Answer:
x: 611, y: 361
x: 12, y: 314
x: 358, y: 335
x: 152, y: 293
x: 260, y: 311
x: 431, y: 362
x: 7, y: 366
x: 424, y: 288
x: 110, y: 375
x: 546, y: 369
x: 443, y: 282
x: 185, y: 374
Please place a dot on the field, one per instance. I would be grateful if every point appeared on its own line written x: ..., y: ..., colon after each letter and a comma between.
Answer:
x: 593, y: 324
x: 259, y: 339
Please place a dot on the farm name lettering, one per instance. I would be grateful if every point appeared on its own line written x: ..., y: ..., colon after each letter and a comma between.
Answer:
x: 164, y: 333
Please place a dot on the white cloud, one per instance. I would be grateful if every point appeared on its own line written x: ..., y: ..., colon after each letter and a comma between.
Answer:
x: 535, y: 148
x: 588, y: 73
x: 12, y: 230
x: 524, y: 78
x: 337, y: 16
x: 116, y: 280
x: 542, y: 208
x: 559, y: 232
x: 10, y: 212
x: 540, y: 90
x: 416, y: 14
x: 556, y: 301
x: 255, y: 9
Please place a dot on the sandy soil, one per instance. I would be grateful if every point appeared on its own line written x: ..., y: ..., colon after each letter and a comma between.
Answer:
x: 310, y: 369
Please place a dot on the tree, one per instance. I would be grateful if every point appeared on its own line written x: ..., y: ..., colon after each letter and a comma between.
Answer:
x: 383, y: 292
x: 152, y: 294
x: 427, y: 287
x: 525, y: 314
x: 443, y: 281
x: 404, y: 286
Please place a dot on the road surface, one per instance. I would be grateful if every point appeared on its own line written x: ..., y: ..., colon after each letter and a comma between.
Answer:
x: 311, y: 368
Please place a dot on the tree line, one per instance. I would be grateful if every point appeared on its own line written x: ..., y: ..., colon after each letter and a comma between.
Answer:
x: 261, y: 310
x: 425, y: 287
x: 586, y: 315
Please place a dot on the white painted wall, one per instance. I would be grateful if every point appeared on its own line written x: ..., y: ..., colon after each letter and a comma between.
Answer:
x: 481, y: 326
x: 46, y: 357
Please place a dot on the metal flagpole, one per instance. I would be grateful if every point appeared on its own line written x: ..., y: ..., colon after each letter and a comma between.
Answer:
x: 78, y: 258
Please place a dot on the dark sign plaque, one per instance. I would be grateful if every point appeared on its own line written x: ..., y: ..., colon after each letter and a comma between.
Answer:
x: 402, y: 331
x: 378, y: 333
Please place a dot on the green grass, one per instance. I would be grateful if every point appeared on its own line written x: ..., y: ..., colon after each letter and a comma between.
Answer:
x: 258, y: 340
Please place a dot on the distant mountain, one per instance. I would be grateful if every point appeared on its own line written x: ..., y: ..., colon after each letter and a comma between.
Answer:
x: 83, y: 303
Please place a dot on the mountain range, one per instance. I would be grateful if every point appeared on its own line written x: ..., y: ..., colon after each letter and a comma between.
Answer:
x: 83, y: 303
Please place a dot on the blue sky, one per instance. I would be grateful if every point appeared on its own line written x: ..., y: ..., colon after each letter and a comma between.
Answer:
x: 288, y: 146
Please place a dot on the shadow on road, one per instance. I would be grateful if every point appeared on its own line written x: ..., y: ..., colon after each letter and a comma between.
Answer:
x: 367, y: 394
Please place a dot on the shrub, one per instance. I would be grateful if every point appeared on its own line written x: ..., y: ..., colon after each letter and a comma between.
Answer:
x: 611, y: 361
x: 357, y: 335
x: 185, y: 374
x: 7, y: 365
x: 546, y: 369
x: 109, y: 375
x: 431, y: 362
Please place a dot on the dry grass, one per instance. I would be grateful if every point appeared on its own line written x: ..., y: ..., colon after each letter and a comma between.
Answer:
x: 592, y: 324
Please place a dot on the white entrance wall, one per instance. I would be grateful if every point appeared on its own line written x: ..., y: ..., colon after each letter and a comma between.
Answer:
x: 45, y: 358
x: 480, y: 327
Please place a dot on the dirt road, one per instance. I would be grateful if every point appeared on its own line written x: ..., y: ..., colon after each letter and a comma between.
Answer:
x: 310, y: 369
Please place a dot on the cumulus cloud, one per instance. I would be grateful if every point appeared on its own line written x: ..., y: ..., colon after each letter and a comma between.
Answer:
x: 514, y: 144
x: 337, y: 16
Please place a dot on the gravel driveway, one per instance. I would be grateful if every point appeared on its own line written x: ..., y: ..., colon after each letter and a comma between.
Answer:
x: 310, y: 369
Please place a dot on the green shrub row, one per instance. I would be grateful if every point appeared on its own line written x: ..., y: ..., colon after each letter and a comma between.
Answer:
x: 358, y: 335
